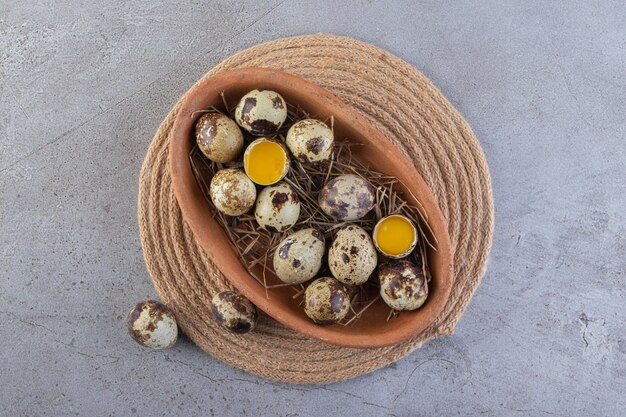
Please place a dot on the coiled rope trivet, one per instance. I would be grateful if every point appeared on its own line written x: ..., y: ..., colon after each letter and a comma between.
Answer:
x: 406, y: 107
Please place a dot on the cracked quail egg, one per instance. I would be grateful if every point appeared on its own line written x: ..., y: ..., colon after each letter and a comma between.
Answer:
x: 232, y: 192
x: 310, y: 140
x: 347, y: 197
x: 352, y: 256
x: 277, y: 208
x: 326, y: 301
x: 403, y: 285
x: 266, y: 161
x: 153, y: 325
x: 234, y: 312
x: 261, y: 112
x: 218, y: 137
x: 298, y: 257
x: 395, y: 236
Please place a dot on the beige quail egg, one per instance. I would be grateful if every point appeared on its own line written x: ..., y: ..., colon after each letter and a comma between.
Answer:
x: 352, y: 256
x: 153, y: 325
x: 347, y: 197
x: 403, y: 285
x: 232, y: 192
x: 261, y: 112
x: 218, y: 137
x: 326, y: 301
x: 277, y: 208
x: 298, y: 257
x: 234, y: 312
x: 310, y: 140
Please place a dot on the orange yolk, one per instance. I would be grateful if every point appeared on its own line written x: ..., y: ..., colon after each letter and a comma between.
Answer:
x: 264, y: 162
x: 395, y: 235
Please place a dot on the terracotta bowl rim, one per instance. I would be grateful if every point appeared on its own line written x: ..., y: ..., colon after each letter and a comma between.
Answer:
x: 185, y: 187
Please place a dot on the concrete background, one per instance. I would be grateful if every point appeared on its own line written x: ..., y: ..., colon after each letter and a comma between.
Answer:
x: 84, y: 87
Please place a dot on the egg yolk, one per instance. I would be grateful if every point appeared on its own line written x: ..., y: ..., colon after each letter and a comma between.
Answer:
x: 395, y: 235
x: 264, y: 162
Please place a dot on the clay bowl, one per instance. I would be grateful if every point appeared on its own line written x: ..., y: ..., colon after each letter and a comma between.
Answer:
x: 372, y: 329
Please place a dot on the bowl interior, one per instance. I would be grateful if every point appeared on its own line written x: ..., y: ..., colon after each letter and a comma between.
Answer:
x: 372, y: 329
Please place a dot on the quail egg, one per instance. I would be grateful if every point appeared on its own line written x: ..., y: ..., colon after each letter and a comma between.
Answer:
x: 403, y: 285
x: 310, y: 140
x: 298, y: 257
x: 266, y: 161
x: 347, y: 197
x: 395, y: 236
x: 277, y: 208
x: 153, y: 325
x: 352, y: 256
x: 218, y: 137
x: 234, y: 312
x: 232, y: 192
x: 326, y: 301
x: 261, y: 112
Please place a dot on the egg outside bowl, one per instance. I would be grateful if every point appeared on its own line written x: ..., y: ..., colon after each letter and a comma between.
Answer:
x: 372, y: 329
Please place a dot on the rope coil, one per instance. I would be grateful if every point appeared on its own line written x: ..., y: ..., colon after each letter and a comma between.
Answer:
x: 408, y: 109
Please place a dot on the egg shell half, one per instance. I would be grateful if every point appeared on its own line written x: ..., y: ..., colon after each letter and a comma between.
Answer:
x: 248, y: 160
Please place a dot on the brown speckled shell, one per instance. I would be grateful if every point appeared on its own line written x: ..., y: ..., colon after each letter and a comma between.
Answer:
x: 261, y: 112
x: 298, y: 257
x: 352, y: 256
x: 234, y: 312
x: 326, y: 301
x: 153, y: 325
x: 347, y: 197
x: 277, y: 208
x: 403, y: 285
x: 310, y: 140
x: 232, y: 192
x: 218, y: 137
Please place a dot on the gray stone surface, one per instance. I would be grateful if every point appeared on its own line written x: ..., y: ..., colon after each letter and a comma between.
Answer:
x: 82, y: 89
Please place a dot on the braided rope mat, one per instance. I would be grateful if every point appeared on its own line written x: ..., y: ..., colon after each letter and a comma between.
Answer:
x: 407, y: 108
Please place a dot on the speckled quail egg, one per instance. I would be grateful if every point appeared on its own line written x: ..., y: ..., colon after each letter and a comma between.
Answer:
x: 298, y: 257
x: 352, y: 256
x: 261, y: 112
x: 403, y: 285
x: 277, y: 208
x: 234, y: 312
x: 347, y: 197
x: 310, y: 140
x: 232, y: 192
x: 152, y: 325
x: 326, y: 301
x: 218, y: 137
